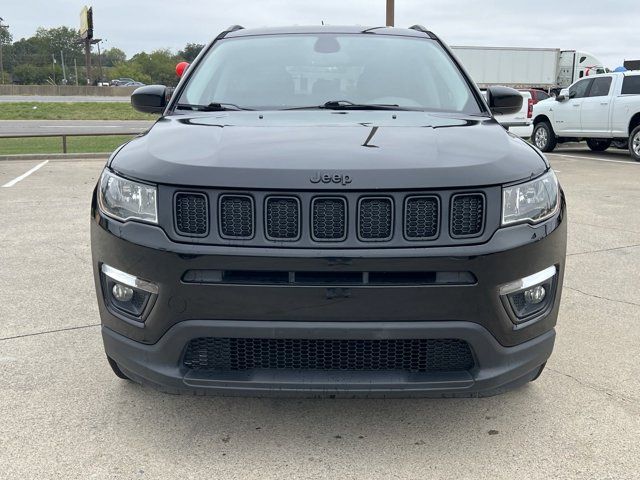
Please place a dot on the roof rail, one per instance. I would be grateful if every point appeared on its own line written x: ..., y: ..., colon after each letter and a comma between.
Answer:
x: 420, y: 28
x: 232, y: 28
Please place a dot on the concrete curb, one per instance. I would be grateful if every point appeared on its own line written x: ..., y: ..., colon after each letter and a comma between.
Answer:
x: 56, y: 156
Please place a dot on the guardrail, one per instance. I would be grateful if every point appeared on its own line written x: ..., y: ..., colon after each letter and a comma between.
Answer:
x: 65, y: 90
x: 65, y: 135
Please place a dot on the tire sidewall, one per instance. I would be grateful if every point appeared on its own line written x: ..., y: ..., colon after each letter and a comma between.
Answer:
x: 548, y: 145
x: 634, y: 134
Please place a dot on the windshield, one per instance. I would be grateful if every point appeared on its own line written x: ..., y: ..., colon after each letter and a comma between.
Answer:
x: 294, y: 71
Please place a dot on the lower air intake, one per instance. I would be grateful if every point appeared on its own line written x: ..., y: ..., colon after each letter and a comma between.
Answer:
x: 408, y: 355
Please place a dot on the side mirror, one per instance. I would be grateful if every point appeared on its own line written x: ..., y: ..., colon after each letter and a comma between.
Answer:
x: 150, y: 98
x: 563, y: 95
x: 504, y: 100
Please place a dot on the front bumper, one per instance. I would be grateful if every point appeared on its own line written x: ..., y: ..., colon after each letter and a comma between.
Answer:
x: 497, y: 368
x: 505, y: 354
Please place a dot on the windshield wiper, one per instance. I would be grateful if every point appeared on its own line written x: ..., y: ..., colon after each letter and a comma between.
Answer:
x: 348, y: 105
x: 212, y: 107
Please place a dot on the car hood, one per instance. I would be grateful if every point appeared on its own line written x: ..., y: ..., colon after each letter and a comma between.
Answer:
x: 285, y: 149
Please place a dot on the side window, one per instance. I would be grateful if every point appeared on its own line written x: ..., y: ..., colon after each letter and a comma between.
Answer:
x: 600, y: 87
x: 631, y: 85
x: 541, y: 95
x: 581, y: 88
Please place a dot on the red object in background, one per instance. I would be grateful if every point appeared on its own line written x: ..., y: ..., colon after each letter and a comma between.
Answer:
x: 181, y: 67
x: 530, y: 109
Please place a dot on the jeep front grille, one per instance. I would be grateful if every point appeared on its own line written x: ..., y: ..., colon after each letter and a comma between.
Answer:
x: 236, y: 216
x: 375, y: 219
x: 421, y: 217
x: 192, y: 214
x: 282, y: 218
x: 329, y: 219
x: 467, y: 215
x: 350, y: 219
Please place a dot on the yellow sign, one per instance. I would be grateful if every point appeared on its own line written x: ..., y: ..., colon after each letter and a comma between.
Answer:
x: 86, y: 22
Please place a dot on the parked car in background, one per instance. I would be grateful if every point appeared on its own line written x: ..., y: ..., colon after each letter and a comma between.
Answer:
x: 537, y: 95
x: 602, y: 109
x: 132, y: 84
x: 116, y: 82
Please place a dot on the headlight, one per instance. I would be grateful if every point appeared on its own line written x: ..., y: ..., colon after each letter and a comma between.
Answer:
x: 533, y: 201
x: 127, y: 200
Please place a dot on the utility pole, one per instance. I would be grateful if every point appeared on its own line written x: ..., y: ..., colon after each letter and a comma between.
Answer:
x: 53, y: 58
x: 97, y: 42
x: 390, y: 13
x: 64, y: 70
x: 1, y: 42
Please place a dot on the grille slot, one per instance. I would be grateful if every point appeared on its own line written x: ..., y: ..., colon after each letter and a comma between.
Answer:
x: 408, y: 355
x: 421, y: 217
x: 329, y: 219
x: 375, y: 219
x: 467, y: 215
x: 282, y: 218
x: 279, y: 277
x: 192, y: 214
x: 236, y: 216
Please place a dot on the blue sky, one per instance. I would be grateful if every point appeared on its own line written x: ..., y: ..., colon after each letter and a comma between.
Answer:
x: 608, y: 30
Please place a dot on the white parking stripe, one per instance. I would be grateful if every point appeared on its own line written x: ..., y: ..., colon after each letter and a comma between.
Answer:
x: 595, y: 159
x: 25, y: 175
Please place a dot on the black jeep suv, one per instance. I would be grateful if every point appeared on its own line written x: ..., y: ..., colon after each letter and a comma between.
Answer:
x: 328, y: 211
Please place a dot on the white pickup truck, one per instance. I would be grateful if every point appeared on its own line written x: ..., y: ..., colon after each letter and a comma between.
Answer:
x: 601, y: 109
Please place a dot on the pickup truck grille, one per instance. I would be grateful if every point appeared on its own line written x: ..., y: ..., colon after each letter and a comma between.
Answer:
x: 408, y: 355
x: 345, y: 220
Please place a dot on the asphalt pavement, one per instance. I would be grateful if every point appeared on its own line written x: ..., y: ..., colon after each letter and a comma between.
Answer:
x: 65, y: 415
x: 37, y: 127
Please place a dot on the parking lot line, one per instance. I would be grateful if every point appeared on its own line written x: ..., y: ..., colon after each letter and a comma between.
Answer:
x: 595, y: 159
x: 25, y: 175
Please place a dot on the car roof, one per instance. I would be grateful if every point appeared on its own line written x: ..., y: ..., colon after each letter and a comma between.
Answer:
x: 336, y: 29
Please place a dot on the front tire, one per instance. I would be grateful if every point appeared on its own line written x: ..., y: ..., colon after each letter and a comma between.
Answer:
x: 634, y: 144
x: 598, y: 145
x: 543, y: 137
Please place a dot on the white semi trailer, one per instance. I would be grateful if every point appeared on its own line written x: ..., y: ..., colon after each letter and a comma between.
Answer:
x: 545, y: 68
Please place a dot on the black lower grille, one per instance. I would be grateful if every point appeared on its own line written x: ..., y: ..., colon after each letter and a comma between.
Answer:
x: 236, y: 216
x: 421, y: 218
x: 375, y: 218
x: 409, y: 355
x: 329, y: 219
x: 282, y: 218
x: 192, y: 214
x: 467, y: 215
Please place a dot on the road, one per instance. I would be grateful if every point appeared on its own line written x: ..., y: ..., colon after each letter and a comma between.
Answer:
x: 36, y: 127
x: 65, y: 415
x: 62, y: 98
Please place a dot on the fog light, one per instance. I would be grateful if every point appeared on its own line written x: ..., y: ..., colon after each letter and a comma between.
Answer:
x: 127, y: 294
x: 531, y: 296
x: 535, y: 295
x: 122, y: 293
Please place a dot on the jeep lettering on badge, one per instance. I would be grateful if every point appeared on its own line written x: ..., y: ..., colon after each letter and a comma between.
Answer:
x: 331, y: 178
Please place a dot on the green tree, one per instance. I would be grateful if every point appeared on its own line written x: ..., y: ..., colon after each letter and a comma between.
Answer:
x: 60, y: 39
x: 159, y: 66
x: 26, y: 74
x: 7, y: 52
x: 113, y: 56
x: 190, y: 51
x: 129, y: 70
